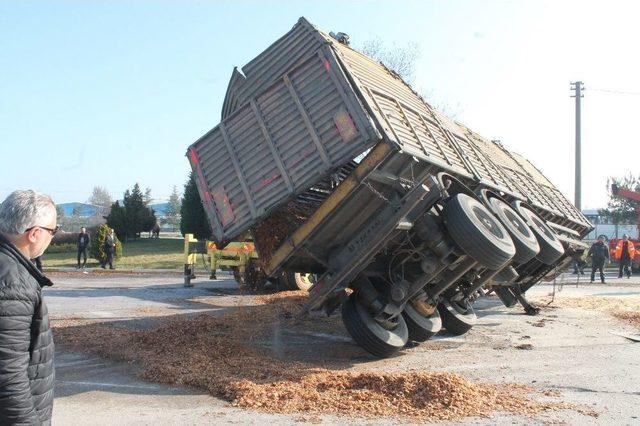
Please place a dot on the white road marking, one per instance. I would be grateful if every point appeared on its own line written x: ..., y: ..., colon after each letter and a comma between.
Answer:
x: 108, y: 385
x: 79, y: 364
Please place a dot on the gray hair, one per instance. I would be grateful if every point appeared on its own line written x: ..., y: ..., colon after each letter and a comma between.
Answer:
x: 22, y: 210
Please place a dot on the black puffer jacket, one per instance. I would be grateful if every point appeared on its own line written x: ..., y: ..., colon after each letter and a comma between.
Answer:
x: 599, y: 251
x: 26, y: 344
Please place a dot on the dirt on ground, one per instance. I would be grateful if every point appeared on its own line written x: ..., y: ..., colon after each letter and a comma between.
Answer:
x: 226, y: 356
x: 624, y: 308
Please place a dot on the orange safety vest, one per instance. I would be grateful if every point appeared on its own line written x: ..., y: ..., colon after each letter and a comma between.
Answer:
x: 630, y: 249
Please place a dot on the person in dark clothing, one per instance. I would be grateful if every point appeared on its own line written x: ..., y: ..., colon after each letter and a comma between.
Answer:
x: 27, y: 375
x: 625, y: 251
x: 599, y: 253
x: 110, y: 248
x: 578, y: 264
x: 83, y: 245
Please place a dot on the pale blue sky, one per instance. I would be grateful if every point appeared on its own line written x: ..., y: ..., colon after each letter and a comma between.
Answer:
x: 112, y: 93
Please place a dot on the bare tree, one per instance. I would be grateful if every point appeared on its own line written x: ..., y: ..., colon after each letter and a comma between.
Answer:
x: 173, y: 209
x: 147, y: 196
x: 399, y: 59
x: 101, y: 197
x: 402, y: 60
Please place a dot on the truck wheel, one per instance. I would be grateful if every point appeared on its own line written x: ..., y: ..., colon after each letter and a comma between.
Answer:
x: 370, y: 334
x: 304, y: 281
x: 506, y: 297
x: 524, y: 240
x: 551, y: 248
x: 421, y: 328
x: 477, y: 232
x: 457, y: 317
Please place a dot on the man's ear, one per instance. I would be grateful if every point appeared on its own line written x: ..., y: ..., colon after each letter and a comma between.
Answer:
x: 32, y: 234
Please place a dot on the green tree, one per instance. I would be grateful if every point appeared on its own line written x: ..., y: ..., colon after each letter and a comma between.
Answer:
x: 117, y: 219
x: 193, y: 219
x: 619, y: 210
x: 97, y: 244
x: 59, y: 212
x: 134, y: 207
x: 133, y: 217
x: 148, y: 219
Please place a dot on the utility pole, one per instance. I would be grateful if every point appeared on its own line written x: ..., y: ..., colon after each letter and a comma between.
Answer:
x: 578, y: 87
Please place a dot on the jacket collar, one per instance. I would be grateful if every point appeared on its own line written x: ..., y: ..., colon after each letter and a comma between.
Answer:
x: 12, y: 251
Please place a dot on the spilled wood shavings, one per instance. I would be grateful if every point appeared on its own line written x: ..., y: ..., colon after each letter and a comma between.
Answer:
x: 625, y: 308
x: 223, y: 356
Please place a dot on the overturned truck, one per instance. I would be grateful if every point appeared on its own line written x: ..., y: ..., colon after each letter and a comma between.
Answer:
x: 339, y: 169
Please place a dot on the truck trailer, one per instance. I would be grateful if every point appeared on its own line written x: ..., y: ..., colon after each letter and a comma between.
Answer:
x: 339, y: 169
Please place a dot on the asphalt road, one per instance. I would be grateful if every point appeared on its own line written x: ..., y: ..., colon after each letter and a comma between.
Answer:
x: 575, y: 352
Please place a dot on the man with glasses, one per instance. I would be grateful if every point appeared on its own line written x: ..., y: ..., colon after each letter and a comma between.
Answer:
x: 27, y: 225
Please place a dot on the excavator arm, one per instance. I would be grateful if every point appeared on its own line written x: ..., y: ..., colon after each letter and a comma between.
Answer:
x: 629, y: 195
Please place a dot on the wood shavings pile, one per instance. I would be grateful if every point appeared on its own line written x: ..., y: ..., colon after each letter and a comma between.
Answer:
x: 625, y: 308
x: 273, y: 230
x: 223, y: 356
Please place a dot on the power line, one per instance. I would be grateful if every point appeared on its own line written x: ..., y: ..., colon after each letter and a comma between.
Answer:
x: 616, y: 92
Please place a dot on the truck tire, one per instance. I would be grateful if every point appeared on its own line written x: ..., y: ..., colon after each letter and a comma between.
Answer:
x: 523, y: 238
x: 421, y: 328
x: 477, y: 232
x: 551, y: 248
x: 369, y: 334
x: 457, y: 317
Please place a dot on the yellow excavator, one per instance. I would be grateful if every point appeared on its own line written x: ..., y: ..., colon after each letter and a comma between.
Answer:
x: 241, y: 258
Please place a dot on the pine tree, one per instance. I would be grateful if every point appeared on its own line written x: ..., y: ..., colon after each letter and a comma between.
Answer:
x: 133, y: 217
x: 117, y: 219
x: 134, y: 205
x: 193, y: 218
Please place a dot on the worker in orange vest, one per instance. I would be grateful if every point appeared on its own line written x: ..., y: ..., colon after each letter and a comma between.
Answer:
x: 624, y: 251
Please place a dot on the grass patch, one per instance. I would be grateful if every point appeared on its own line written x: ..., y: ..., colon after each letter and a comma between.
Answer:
x: 146, y: 253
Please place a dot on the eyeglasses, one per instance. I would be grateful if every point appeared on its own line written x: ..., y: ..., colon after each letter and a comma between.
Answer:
x: 51, y: 231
